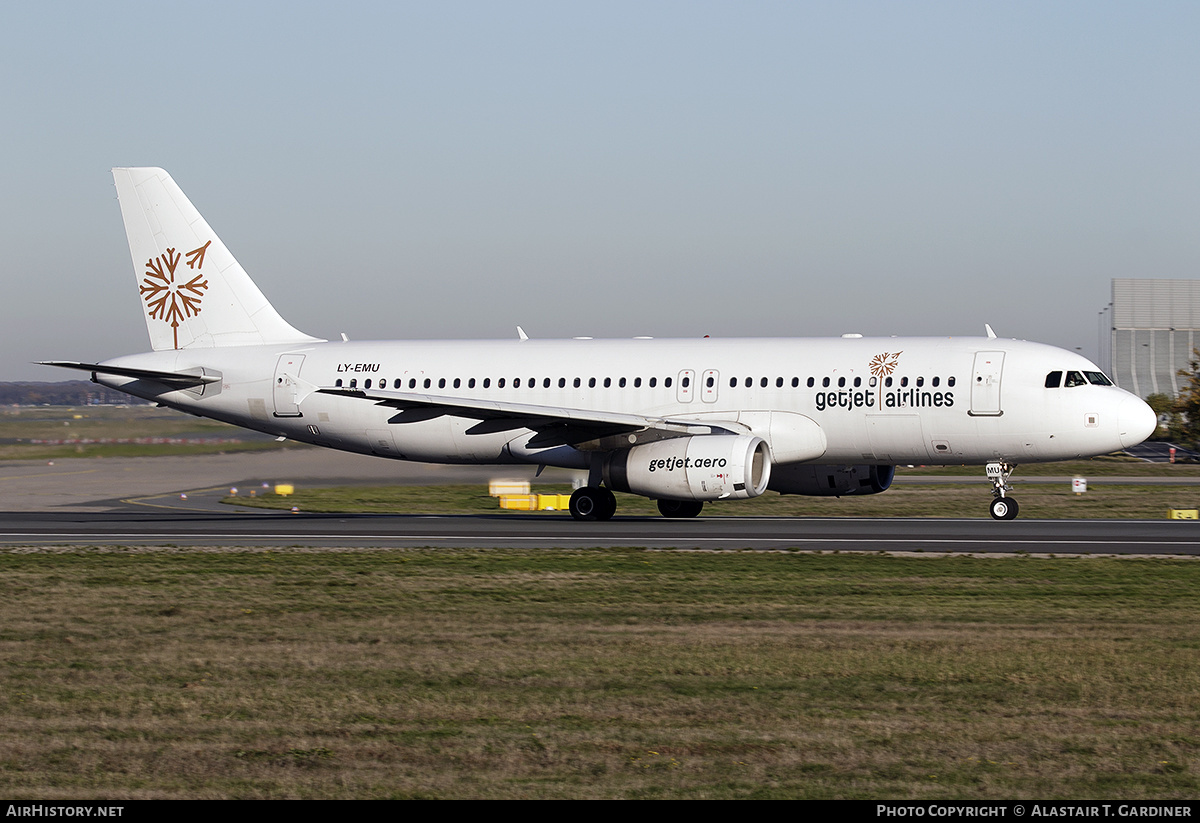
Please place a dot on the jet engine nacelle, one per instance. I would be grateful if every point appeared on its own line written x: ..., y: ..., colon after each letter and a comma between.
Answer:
x: 831, y: 481
x: 700, y: 467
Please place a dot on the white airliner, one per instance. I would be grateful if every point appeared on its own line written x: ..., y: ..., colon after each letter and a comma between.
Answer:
x: 679, y: 421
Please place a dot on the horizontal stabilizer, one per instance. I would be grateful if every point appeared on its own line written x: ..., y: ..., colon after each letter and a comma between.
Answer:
x: 179, y: 380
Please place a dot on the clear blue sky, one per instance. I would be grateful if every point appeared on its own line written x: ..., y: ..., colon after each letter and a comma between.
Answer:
x: 443, y: 169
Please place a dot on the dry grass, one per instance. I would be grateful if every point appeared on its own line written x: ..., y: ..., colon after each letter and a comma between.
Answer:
x: 505, y: 674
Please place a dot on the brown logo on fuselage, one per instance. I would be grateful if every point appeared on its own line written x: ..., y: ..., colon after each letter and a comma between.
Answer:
x: 882, y: 365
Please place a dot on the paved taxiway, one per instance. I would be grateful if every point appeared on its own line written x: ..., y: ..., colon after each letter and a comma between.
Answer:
x: 136, y: 501
x: 273, y: 529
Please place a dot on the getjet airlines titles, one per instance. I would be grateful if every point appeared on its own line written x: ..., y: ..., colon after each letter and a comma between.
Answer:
x: 679, y: 421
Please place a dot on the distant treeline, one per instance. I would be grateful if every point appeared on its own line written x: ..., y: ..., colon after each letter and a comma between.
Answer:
x: 68, y: 393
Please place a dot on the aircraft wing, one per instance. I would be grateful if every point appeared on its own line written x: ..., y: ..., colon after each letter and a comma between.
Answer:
x: 590, y: 422
x: 175, y: 379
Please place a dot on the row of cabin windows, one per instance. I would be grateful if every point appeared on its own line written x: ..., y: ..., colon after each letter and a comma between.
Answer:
x: 486, y: 383
x: 1054, y: 379
x: 652, y: 382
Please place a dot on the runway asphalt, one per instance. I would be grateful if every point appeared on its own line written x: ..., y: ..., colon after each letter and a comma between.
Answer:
x: 318, y: 531
x: 137, y: 502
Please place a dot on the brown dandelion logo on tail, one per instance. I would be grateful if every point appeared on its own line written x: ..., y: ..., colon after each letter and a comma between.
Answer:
x: 168, y: 300
x: 882, y: 365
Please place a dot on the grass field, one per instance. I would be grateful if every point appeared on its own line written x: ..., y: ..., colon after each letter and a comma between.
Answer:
x: 1054, y: 501
x: 603, y: 673
x: 81, y: 430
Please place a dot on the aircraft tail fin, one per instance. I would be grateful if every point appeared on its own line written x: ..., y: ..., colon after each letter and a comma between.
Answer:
x: 193, y: 292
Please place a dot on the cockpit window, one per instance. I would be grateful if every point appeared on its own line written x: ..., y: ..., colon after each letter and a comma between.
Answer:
x: 1074, y: 378
x: 1054, y: 380
x: 1097, y: 378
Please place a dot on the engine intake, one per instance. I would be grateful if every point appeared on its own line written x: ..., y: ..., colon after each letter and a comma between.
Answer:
x: 701, y: 467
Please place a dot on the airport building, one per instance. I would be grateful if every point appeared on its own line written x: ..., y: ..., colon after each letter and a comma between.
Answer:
x: 1154, y: 327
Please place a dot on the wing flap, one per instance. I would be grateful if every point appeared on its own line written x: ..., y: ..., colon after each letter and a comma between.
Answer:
x: 593, y: 421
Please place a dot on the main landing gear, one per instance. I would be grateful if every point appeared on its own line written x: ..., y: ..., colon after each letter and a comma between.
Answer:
x: 598, y: 503
x: 593, y: 503
x: 1002, y: 508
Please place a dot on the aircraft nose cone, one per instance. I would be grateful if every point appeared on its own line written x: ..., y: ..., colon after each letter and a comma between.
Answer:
x: 1136, y: 421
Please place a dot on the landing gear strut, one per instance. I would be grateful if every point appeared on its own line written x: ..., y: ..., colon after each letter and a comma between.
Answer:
x: 1002, y: 508
x: 593, y: 503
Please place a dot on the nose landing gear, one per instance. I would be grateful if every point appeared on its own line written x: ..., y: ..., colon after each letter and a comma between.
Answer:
x: 1002, y: 508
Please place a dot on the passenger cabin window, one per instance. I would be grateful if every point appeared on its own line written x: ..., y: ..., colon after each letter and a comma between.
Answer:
x: 1074, y: 379
x: 1054, y: 380
x: 653, y: 382
x: 666, y: 382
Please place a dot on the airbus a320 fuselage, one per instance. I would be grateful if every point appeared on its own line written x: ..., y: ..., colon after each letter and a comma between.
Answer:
x: 680, y: 421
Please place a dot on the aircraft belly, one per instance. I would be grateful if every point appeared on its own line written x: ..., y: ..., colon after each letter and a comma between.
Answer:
x: 897, y: 438
x: 448, y: 439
